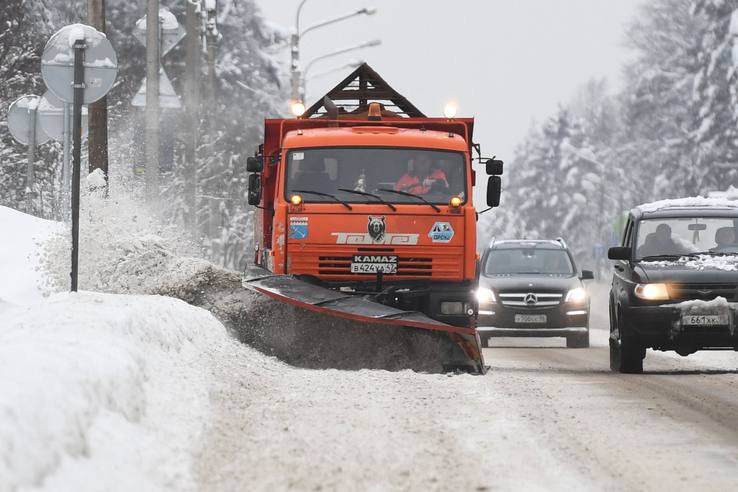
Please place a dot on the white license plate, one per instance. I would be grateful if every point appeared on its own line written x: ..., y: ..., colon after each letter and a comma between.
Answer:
x: 530, y: 318
x: 373, y: 267
x: 705, y: 320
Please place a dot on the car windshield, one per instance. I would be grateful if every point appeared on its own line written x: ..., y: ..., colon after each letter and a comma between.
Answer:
x: 676, y: 236
x: 532, y: 261
x: 354, y: 174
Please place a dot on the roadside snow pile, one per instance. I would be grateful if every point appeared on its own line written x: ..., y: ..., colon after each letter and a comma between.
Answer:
x: 695, y: 201
x: 19, y: 261
x: 728, y: 263
x: 105, y: 392
x: 123, y: 249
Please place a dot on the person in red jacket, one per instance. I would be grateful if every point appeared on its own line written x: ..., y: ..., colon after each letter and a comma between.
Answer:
x: 422, y: 179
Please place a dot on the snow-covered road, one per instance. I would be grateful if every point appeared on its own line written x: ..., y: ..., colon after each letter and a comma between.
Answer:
x: 136, y: 392
x: 544, y: 417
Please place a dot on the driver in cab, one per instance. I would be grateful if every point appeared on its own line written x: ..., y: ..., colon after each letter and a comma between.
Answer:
x: 422, y: 179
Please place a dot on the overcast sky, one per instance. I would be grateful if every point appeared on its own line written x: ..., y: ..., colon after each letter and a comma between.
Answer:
x: 506, y: 62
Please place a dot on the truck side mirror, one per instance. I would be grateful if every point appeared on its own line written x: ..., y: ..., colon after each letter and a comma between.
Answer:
x: 254, y: 193
x: 494, y: 167
x: 619, y: 253
x: 255, y: 164
x: 494, y: 190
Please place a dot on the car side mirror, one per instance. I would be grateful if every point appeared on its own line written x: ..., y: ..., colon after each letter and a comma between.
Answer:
x: 619, y: 253
x: 255, y: 164
x: 254, y: 193
x: 494, y: 190
x: 587, y: 275
x: 494, y: 167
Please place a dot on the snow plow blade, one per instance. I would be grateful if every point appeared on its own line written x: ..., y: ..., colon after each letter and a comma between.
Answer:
x: 361, y: 310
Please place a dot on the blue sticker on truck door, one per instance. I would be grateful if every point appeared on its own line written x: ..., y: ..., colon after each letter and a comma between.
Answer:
x: 441, y: 232
x: 298, y: 228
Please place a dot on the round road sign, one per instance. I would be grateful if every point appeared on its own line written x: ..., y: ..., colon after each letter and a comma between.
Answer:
x: 19, y: 120
x: 100, y: 62
x: 51, y: 115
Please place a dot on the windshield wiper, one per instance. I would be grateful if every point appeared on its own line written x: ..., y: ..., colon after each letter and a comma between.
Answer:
x: 364, y: 193
x: 319, y: 193
x: 413, y: 195
x: 669, y: 257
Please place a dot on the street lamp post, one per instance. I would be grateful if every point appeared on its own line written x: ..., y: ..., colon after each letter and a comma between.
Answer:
x: 351, y: 64
x: 296, y: 75
x: 368, y: 44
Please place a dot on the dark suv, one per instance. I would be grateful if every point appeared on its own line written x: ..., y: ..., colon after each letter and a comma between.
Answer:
x: 675, y: 284
x: 532, y: 289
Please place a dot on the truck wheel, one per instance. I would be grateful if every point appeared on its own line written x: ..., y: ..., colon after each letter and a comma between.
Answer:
x: 626, y: 354
x: 578, y: 341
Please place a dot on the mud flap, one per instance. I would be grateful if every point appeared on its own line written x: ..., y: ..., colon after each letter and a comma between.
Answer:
x: 464, y: 352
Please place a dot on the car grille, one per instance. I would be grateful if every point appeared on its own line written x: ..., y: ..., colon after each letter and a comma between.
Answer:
x: 704, y: 292
x: 523, y: 299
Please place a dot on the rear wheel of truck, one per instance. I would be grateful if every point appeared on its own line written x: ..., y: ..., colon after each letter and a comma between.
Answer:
x: 578, y: 341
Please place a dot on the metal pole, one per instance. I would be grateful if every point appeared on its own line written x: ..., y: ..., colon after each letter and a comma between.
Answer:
x: 152, y: 99
x: 296, y: 76
x: 192, y: 105
x: 79, y: 93
x: 66, y: 175
x: 212, y: 45
x: 31, y: 159
x: 97, y: 140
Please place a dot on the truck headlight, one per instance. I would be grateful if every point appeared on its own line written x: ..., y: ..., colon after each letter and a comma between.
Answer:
x: 652, y: 292
x: 576, y: 296
x: 485, y: 296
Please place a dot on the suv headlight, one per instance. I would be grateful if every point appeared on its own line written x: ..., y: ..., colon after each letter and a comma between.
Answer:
x: 652, y: 292
x: 576, y: 296
x: 485, y: 296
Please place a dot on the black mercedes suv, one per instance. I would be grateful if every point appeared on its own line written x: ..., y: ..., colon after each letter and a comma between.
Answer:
x: 532, y: 289
x: 675, y: 283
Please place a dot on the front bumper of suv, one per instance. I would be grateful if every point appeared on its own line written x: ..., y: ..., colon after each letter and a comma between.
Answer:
x: 561, y: 321
x: 661, y: 327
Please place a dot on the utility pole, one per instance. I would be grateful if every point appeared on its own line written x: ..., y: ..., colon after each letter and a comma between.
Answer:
x: 33, y: 110
x: 97, y: 142
x: 212, y: 36
x: 152, y: 99
x: 192, y: 108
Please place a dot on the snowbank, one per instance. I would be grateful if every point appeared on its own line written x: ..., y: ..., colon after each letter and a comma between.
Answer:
x: 124, y: 249
x: 105, y: 392
x: 21, y: 276
x: 695, y: 201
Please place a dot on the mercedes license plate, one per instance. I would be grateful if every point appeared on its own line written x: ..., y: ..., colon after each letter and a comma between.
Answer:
x: 530, y: 318
x: 374, y: 264
x: 705, y: 320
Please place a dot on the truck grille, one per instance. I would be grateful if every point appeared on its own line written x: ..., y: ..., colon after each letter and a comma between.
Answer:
x: 531, y: 299
x: 334, y: 262
x: 406, y: 266
x: 705, y: 292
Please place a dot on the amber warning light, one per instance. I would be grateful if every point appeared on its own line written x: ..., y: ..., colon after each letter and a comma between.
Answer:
x: 295, y: 199
x: 455, y: 202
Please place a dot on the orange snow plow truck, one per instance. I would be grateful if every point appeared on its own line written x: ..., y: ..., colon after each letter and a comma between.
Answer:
x: 365, y: 212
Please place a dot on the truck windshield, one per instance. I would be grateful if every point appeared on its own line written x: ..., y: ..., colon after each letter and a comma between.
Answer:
x: 532, y: 261
x: 435, y: 175
x: 676, y: 236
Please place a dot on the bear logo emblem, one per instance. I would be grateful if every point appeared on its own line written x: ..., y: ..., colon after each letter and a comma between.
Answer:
x: 376, y: 228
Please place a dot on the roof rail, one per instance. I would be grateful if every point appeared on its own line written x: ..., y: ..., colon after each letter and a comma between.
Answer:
x: 561, y: 241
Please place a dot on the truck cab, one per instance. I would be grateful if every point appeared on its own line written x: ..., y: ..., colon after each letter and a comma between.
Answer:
x: 372, y: 202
